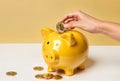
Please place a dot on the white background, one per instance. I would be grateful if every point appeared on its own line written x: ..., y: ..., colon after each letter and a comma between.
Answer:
x: 103, y: 63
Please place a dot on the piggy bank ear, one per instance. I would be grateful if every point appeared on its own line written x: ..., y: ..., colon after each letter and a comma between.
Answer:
x: 69, y: 38
x: 45, y: 32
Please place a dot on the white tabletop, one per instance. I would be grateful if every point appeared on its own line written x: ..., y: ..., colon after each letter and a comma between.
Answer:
x: 103, y: 63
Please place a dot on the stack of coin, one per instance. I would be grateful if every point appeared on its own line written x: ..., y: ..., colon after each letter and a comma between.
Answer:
x: 60, y: 28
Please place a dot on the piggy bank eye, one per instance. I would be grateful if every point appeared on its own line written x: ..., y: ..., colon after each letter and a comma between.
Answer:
x: 48, y: 42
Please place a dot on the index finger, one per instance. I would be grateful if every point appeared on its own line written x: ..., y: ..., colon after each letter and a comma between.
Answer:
x: 66, y: 17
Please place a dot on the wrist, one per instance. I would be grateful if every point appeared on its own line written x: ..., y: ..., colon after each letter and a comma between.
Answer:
x: 101, y: 26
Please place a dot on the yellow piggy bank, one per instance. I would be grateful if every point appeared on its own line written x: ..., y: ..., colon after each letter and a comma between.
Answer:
x: 66, y: 51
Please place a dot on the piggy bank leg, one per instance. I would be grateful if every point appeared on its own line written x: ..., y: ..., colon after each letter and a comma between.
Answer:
x: 82, y: 66
x: 51, y: 69
x: 69, y: 72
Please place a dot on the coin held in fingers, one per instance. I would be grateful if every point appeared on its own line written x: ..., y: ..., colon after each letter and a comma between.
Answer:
x: 60, y: 27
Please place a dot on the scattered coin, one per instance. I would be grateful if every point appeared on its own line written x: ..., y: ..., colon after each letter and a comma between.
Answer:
x: 38, y: 68
x: 11, y: 73
x: 57, y: 77
x: 48, y: 76
x: 45, y: 76
x: 39, y: 76
x: 60, y: 28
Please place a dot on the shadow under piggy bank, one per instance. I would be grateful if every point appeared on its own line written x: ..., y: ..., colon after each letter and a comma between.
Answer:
x: 89, y: 63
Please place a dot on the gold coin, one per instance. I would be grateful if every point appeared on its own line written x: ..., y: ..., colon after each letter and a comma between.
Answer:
x: 57, y: 77
x: 39, y: 76
x: 11, y: 73
x: 48, y: 76
x: 60, y: 28
x: 38, y: 68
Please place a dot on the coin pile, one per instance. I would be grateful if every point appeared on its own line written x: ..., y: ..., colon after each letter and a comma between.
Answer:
x: 38, y: 68
x: 11, y: 73
x: 38, y: 76
x: 60, y: 28
x: 48, y: 76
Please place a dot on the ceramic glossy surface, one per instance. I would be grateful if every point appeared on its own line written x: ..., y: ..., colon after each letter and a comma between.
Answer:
x: 66, y: 51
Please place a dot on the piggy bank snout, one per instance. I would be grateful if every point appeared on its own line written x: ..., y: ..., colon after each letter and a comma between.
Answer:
x: 51, y: 58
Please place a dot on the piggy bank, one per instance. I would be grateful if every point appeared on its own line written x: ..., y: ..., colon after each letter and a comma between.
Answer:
x: 66, y: 51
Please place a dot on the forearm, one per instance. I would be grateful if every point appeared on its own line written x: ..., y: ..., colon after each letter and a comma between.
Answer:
x: 110, y: 29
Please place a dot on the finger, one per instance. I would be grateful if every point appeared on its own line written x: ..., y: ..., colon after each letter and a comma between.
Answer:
x: 71, y: 15
x: 68, y: 26
x: 72, y: 24
x: 66, y: 18
x: 70, y: 20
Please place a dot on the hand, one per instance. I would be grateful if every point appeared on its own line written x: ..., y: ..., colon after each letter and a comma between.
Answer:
x: 81, y: 20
